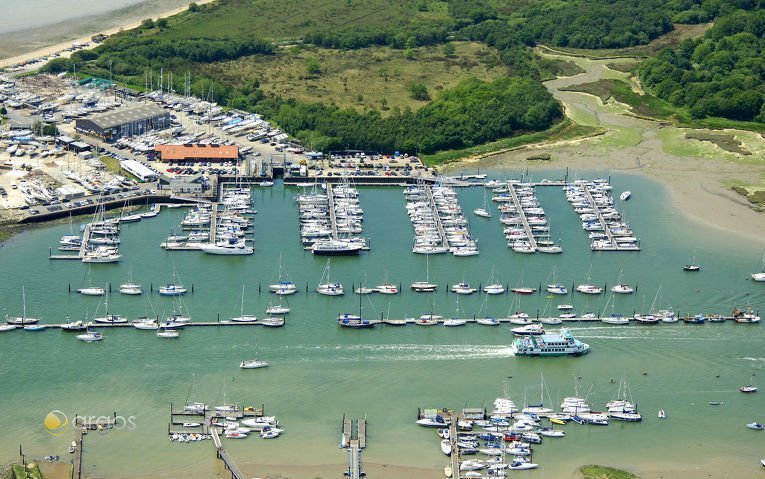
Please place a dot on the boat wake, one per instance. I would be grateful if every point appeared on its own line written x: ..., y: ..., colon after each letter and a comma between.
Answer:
x: 400, y: 352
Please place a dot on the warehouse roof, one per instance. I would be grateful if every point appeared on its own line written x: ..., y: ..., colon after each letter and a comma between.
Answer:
x: 122, y: 116
x: 202, y: 151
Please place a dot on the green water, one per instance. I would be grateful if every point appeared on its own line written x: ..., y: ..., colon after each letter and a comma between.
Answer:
x: 320, y: 371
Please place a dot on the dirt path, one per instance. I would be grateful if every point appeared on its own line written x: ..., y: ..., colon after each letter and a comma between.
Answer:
x: 695, y: 172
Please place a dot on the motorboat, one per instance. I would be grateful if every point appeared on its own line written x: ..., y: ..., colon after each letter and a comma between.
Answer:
x: 230, y: 246
x: 454, y: 322
x: 616, y: 319
x: 755, y: 425
x: 270, y: 433
x: 488, y: 321
x: 463, y: 288
x: 277, y: 309
x: 446, y: 447
x: 437, y: 421
x: 168, y: 333
x: 74, y: 326
x: 552, y: 320
x: 549, y: 432
x: 253, y: 364
x: 130, y: 288
x: 145, y: 323
x: 90, y: 336
x: 92, y: 291
x: 662, y: 414
x: 528, y: 330
x: 283, y: 288
x: 424, y: 287
x: 35, y: 327
x: 589, y: 289
x: 622, y: 289
x: 625, y: 195
x: 521, y: 463
x: 387, y: 288
x: 7, y: 327
x: 272, y: 322
x: 171, y: 289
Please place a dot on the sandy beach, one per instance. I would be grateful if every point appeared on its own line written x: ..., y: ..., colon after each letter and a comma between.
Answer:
x: 61, y: 46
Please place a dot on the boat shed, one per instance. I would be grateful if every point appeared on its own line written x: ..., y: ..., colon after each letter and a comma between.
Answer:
x: 139, y: 170
x: 124, y: 122
x: 194, y: 184
x: 198, y: 152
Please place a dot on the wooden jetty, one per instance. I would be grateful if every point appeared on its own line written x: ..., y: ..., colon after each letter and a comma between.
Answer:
x: 354, y: 438
x: 221, y: 454
x: 522, y: 215
x: 436, y: 216
x: 81, y: 428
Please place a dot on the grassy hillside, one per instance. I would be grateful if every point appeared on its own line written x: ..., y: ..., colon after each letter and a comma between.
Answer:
x: 368, y: 78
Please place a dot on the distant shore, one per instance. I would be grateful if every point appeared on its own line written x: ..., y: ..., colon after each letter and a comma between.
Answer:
x: 86, y: 26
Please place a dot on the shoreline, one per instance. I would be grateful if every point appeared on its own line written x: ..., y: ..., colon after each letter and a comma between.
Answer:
x: 695, y: 185
x: 61, y: 46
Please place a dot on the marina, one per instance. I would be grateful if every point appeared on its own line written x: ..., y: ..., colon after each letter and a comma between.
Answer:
x: 313, y: 353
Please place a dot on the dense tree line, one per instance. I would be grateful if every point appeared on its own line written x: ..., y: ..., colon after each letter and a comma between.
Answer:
x: 720, y: 74
x: 472, y: 113
x: 132, y: 55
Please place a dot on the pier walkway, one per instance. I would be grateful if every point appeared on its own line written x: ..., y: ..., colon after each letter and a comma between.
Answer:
x: 81, y: 428
x: 221, y: 453
x: 436, y: 216
x: 354, y: 438
x: 522, y: 216
x: 598, y: 213
x: 332, y: 215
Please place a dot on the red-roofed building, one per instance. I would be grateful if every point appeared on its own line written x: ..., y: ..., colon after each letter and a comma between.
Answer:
x: 197, y: 152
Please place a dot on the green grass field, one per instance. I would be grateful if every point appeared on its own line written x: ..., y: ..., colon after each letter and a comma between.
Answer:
x: 369, y: 78
x: 289, y: 20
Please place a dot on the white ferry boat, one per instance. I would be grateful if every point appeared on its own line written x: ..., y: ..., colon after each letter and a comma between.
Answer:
x: 562, y: 344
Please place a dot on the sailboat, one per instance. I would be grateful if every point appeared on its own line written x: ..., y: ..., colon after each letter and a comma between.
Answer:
x: 354, y: 321
x: 174, y: 288
x: 620, y: 287
x: 254, y: 363
x: 109, y: 318
x: 692, y: 266
x: 131, y: 288
x: 386, y: 287
x: 483, y: 212
x: 493, y: 286
x: 456, y: 320
x: 523, y: 289
x: 90, y: 336
x: 761, y: 275
x: 588, y: 288
x: 749, y: 388
x: 243, y: 318
x: 615, y: 319
x: 555, y: 287
x: 283, y: 287
x: 22, y: 320
x: 329, y: 288
x: 539, y: 409
x: 91, y: 290
x: 425, y: 286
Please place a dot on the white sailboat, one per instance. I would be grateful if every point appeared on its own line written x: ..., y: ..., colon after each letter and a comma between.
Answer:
x: 91, y: 290
x: 329, y: 288
x: 284, y: 286
x: 243, y: 318
x: 22, y: 320
x: 108, y: 317
x: 254, y: 363
x: 620, y: 287
x: 130, y: 288
x: 425, y: 286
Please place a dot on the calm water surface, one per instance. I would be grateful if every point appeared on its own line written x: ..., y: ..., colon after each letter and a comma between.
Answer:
x: 320, y: 371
